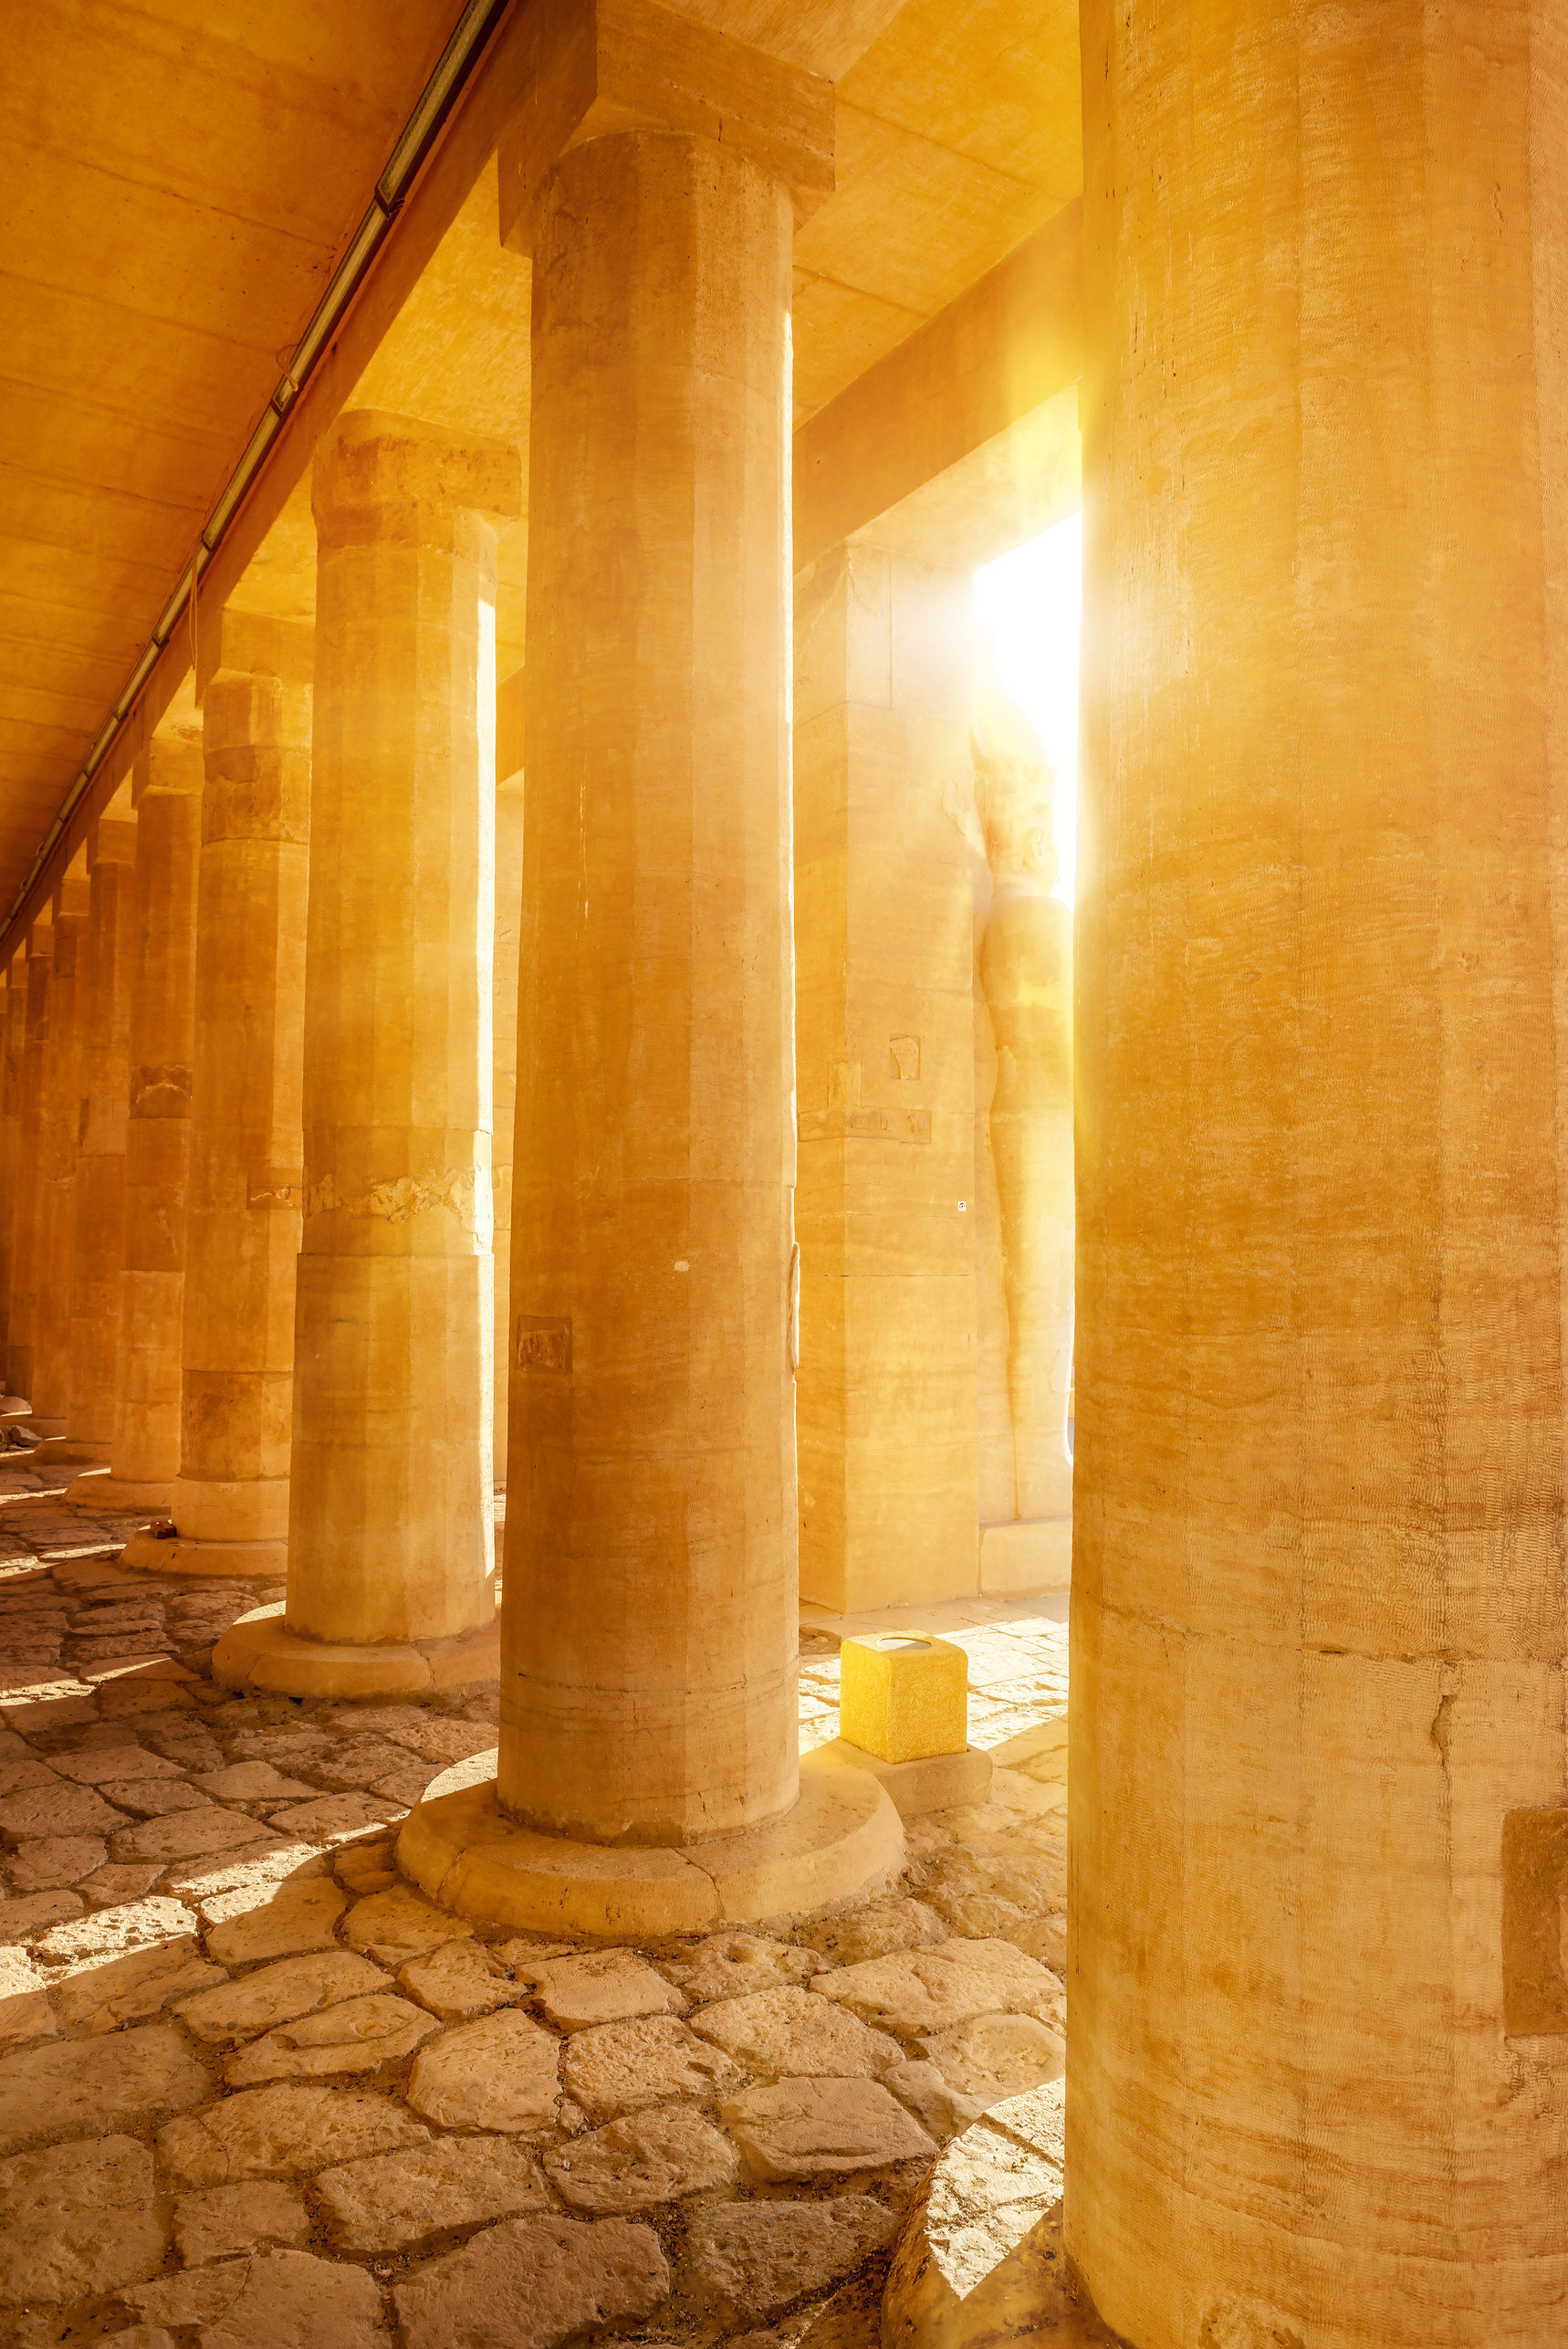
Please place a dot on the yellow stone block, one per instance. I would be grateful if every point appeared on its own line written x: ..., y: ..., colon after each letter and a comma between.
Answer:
x: 904, y: 1696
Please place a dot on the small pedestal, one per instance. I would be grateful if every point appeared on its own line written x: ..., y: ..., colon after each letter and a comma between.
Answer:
x: 935, y: 1782
x: 260, y: 1652
x: 904, y: 1716
x: 843, y: 1840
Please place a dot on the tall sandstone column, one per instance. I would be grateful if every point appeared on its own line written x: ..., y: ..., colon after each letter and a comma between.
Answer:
x: 885, y: 1000
x: 1317, y: 2091
x: 391, y: 1553
x: 144, y: 1457
x: 509, y: 829
x: 103, y: 999
x: 58, y: 1132
x: 12, y: 1045
x: 242, y: 1229
x: 24, y: 1221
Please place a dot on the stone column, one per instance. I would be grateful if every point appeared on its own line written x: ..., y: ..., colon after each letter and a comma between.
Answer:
x: 24, y: 1221
x: 883, y: 995
x: 1319, y: 2083
x: 59, y: 1133
x: 504, y: 1052
x: 13, y: 1041
x: 390, y: 1552
x: 103, y: 1005
x: 650, y: 1629
x: 242, y: 1230
x: 144, y: 1457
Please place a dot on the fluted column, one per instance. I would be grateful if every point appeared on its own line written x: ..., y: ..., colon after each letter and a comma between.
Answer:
x: 103, y: 1007
x: 145, y: 1450
x: 1318, y: 1975
x: 230, y: 1500
x: 58, y: 1136
x: 25, y: 1218
x: 391, y: 1564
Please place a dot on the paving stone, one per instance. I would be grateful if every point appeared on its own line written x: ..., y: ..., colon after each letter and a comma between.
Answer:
x: 822, y: 2129
x: 118, y: 1699
x: 751, y: 2259
x: 789, y: 2032
x: 26, y: 1918
x: 235, y: 1882
x: 191, y: 1834
x: 526, y: 1952
x: 21, y: 1773
x: 295, y: 1919
x: 500, y: 2073
x: 77, y: 2086
x: 75, y: 2219
x: 648, y: 2158
x: 229, y: 2220
x: 890, y: 1923
x: 366, y: 1867
x: 53, y: 1860
x: 402, y: 1788
x: 66, y: 1706
x: 111, y: 1933
x: 734, y: 1965
x: 936, y: 1989
x: 446, y: 1742
x: 942, y: 2112
x: 461, y: 1978
x: 141, y: 2336
x: 280, y: 1994
x: 998, y: 2056
x: 130, y: 1989
x: 120, y: 1882
x: 251, y: 1782
x: 370, y: 1720
x: 360, y: 2035
x: 330, y: 1816
x: 278, y: 2299
x: 396, y: 1925
x: 25, y: 2010
x: 532, y: 2283
x: 600, y: 1985
x: 356, y: 1763
x: 394, y: 2202
x: 153, y: 1797
x: 653, y: 2060
x: 283, y: 2131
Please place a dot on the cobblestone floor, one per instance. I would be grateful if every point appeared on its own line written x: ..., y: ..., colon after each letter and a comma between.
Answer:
x: 256, y: 2092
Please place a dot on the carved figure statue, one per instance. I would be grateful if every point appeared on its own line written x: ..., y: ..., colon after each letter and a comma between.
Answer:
x: 1025, y: 972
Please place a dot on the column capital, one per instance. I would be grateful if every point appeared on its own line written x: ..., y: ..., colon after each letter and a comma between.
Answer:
x: 599, y: 67
x: 112, y: 840
x: 258, y: 644
x: 380, y: 476
x: 73, y: 898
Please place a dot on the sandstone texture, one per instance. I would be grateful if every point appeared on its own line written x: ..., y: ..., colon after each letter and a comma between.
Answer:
x: 778, y: 2033
x: 531, y: 2283
x: 80, y: 2085
x: 623, y: 2067
x: 603, y: 1986
x: 635, y: 2163
x: 231, y: 2220
x: 357, y: 2035
x: 750, y: 2260
x: 277, y: 1994
x: 395, y: 1925
x: 734, y: 1965
x: 820, y: 2129
x: 394, y: 2202
x: 77, y: 2218
x: 275, y: 2300
x: 282, y: 2132
x: 130, y: 1988
x: 298, y: 1918
x: 500, y: 2073
x: 936, y: 1989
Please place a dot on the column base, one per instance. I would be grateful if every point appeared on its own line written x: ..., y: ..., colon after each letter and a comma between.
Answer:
x: 260, y: 1652
x: 209, y: 1561
x: 844, y: 1838
x: 935, y: 1782
x: 121, y: 1495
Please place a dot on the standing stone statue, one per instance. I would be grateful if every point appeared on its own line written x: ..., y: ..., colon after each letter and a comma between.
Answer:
x: 1024, y: 999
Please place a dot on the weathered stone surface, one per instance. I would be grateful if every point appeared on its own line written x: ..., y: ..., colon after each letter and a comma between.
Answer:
x: 330, y: 1816
x: 153, y: 1797
x: 278, y: 2299
x: 230, y: 2220
x: 252, y: 1782
x: 360, y: 2035
x: 78, y: 2087
x: 653, y: 2060
x: 352, y: 1763
x: 822, y: 2129
x: 129, y: 1989
x: 60, y: 1808
x: 395, y: 2201
x: 649, y: 2158
x: 191, y: 1834
x: 283, y: 2131
x: 893, y: 1922
x: 295, y: 1919
x: 111, y: 1933
x: 601, y: 1986
x: 444, y: 1742
x: 531, y: 2283
x: 77, y: 2218
x: 998, y: 2056
x: 787, y: 2032
x: 936, y: 1989
x: 277, y: 1994
x: 396, y: 1925
x: 53, y: 1859
x: 942, y: 2112
x: 750, y: 2260
x: 232, y: 1884
x: 99, y: 1766
x: 119, y: 1884
x: 23, y: 1769
x: 29, y: 1917
x: 461, y: 1978
x: 367, y: 1868
x: 25, y: 2010
x: 500, y: 2073
x: 734, y: 1965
